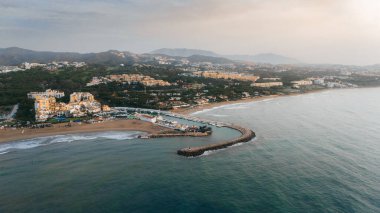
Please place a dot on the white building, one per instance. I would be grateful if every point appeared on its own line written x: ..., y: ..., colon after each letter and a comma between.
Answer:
x: 302, y: 83
x: 47, y: 94
x: 319, y: 81
x: 267, y: 84
x: 145, y: 117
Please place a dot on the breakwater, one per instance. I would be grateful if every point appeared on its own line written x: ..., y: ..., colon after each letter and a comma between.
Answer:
x: 186, y: 134
x: 246, y: 135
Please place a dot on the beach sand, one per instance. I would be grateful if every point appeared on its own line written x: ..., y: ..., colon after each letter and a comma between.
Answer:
x: 190, y: 110
x: 60, y: 129
x: 118, y: 125
x: 187, y: 111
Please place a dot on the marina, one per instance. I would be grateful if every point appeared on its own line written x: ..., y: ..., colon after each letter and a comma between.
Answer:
x: 246, y: 134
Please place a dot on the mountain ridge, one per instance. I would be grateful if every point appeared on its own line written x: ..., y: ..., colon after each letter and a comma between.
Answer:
x: 258, y: 58
x: 15, y: 56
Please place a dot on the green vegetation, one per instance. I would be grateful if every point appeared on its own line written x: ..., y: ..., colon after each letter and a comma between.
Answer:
x: 14, y: 86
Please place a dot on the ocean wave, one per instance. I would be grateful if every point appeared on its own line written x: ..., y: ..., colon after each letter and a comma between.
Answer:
x: 219, y: 115
x: 206, y: 110
x: 2, y: 153
x: 226, y: 106
x: 238, y: 144
x: 43, y: 141
x: 265, y: 100
x: 237, y: 107
x: 209, y: 152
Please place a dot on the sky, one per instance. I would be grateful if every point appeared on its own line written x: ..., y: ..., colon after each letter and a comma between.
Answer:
x: 312, y: 31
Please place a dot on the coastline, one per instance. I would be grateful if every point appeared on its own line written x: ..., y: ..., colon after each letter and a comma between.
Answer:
x: 188, y: 111
x: 12, y: 135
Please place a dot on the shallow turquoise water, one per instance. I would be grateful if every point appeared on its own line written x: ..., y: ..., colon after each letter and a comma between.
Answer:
x: 314, y: 153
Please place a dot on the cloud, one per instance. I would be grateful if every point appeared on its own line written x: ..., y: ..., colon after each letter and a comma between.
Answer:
x: 340, y: 31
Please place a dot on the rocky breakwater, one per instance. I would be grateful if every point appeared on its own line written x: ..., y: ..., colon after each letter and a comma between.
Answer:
x: 246, y: 136
x: 185, y: 134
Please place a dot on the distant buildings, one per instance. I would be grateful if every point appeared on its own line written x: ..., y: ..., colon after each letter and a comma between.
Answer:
x: 47, y: 94
x: 52, y: 65
x: 272, y: 79
x: 81, y: 104
x: 245, y: 95
x: 297, y: 84
x: 201, y: 101
x: 226, y: 75
x: 267, y: 84
x: 130, y: 79
x: 97, y: 81
x: 319, y: 81
x: 164, y: 60
x: 6, y: 69
x: 28, y: 66
x: 49, y: 66
x: 194, y: 86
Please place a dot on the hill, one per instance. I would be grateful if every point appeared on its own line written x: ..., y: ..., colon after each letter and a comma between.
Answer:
x: 183, y: 52
x: 214, y: 60
x: 16, y: 56
x: 259, y: 58
x: 265, y: 58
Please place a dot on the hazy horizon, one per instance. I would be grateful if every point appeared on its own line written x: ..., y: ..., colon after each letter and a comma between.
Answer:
x: 316, y: 31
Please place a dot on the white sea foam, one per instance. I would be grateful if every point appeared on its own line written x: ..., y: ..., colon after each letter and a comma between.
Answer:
x: 26, y: 144
x: 209, y: 152
x: 232, y: 106
x: 2, y: 153
x: 206, y: 153
x: 237, y: 107
x: 238, y: 144
x: 43, y: 141
x: 228, y: 106
x: 206, y: 110
x: 219, y: 115
x: 265, y: 100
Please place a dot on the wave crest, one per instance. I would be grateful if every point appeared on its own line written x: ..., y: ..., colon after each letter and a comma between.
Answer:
x: 43, y: 141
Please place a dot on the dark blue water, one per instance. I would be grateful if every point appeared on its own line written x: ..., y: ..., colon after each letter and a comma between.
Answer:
x: 314, y: 153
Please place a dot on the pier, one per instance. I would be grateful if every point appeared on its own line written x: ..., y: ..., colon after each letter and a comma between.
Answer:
x: 185, y: 134
x: 246, y: 136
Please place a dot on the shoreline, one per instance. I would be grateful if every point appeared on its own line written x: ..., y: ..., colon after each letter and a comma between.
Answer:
x: 187, y: 111
x: 14, y: 135
x: 199, y: 108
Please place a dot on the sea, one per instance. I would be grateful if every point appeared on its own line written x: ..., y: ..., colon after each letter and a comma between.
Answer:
x: 317, y: 152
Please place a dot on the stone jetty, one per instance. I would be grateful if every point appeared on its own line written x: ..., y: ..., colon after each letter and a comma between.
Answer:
x: 185, y: 134
x: 246, y: 135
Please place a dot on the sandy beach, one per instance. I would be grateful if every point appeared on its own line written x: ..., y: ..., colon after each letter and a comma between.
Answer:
x: 187, y: 111
x: 8, y: 135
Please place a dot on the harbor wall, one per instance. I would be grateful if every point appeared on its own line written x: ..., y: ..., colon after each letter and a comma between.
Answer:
x: 246, y: 135
x: 187, y: 134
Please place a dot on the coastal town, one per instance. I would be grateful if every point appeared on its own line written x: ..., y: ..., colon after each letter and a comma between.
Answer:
x: 91, y: 90
x: 75, y: 97
x: 72, y: 92
x: 190, y: 106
